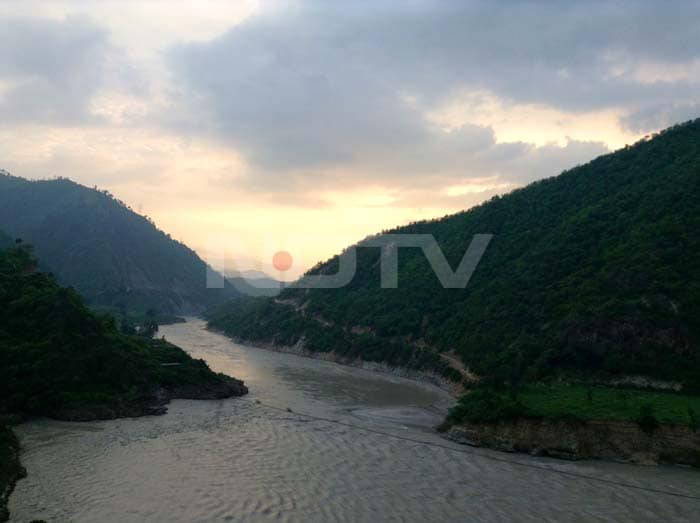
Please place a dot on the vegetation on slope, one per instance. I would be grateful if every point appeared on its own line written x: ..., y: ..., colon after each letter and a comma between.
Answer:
x: 56, y: 355
x: 265, y: 320
x: 579, y: 402
x: 591, y: 275
x: 113, y: 256
x: 59, y: 359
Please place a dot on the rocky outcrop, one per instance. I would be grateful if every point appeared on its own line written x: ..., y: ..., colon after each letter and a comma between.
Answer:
x: 154, y: 403
x: 575, y: 440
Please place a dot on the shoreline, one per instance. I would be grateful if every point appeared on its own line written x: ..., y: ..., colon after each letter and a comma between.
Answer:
x: 425, y: 377
x: 155, y: 402
x: 611, y: 441
x: 152, y: 404
x: 606, y: 440
x: 12, y: 470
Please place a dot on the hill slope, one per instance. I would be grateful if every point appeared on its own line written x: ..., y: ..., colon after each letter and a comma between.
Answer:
x: 113, y: 256
x: 59, y: 359
x: 593, y: 273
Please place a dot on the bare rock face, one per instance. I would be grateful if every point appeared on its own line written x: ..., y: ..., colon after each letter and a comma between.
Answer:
x: 575, y: 440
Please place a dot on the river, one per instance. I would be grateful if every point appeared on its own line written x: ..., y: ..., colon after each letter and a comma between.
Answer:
x: 366, y: 453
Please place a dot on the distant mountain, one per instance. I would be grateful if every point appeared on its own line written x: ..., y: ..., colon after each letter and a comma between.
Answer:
x: 593, y: 273
x: 252, y: 274
x: 254, y: 283
x: 113, y: 256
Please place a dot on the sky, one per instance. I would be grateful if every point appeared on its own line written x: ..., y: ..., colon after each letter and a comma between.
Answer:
x: 245, y: 128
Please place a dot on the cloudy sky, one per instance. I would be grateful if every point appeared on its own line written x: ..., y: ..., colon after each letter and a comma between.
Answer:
x: 265, y: 125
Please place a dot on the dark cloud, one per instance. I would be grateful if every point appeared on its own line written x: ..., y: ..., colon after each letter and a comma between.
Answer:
x: 325, y: 95
x: 321, y: 84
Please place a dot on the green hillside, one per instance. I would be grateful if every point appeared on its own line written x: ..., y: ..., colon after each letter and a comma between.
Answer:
x: 59, y: 359
x: 592, y: 274
x: 113, y: 256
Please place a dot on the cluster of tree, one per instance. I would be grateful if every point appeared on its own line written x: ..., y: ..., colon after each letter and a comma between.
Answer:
x: 95, y: 243
x: 147, y: 326
x: 594, y: 273
x: 55, y: 353
x: 262, y: 319
x: 58, y: 356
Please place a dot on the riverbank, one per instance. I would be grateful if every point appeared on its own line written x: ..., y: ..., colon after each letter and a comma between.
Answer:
x: 11, y: 469
x: 577, y: 421
x: 581, y: 440
x: 154, y: 403
x: 239, y: 460
x: 433, y: 378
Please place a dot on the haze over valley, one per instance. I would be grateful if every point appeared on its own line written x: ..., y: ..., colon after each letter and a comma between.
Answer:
x: 349, y: 261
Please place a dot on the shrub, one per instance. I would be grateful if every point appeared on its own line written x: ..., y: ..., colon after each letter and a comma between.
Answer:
x: 486, y: 405
x: 693, y: 417
x: 646, y: 420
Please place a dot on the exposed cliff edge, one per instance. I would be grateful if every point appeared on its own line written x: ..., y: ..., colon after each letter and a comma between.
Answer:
x: 577, y: 440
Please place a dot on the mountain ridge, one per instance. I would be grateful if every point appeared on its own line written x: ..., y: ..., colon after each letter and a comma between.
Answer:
x: 590, y: 273
x: 112, y: 255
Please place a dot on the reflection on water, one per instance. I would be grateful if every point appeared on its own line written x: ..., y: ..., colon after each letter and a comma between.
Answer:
x: 313, y: 386
x: 237, y: 460
x: 351, y: 388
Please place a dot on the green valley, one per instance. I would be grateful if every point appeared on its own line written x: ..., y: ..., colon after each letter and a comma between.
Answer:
x: 591, y: 277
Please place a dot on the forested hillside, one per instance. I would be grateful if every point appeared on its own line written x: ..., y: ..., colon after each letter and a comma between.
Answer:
x: 594, y: 273
x: 113, y: 256
x: 57, y: 358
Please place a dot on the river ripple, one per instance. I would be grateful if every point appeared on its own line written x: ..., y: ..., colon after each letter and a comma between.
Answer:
x: 242, y: 460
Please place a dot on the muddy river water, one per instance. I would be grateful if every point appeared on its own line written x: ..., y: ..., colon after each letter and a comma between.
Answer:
x: 367, y: 453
